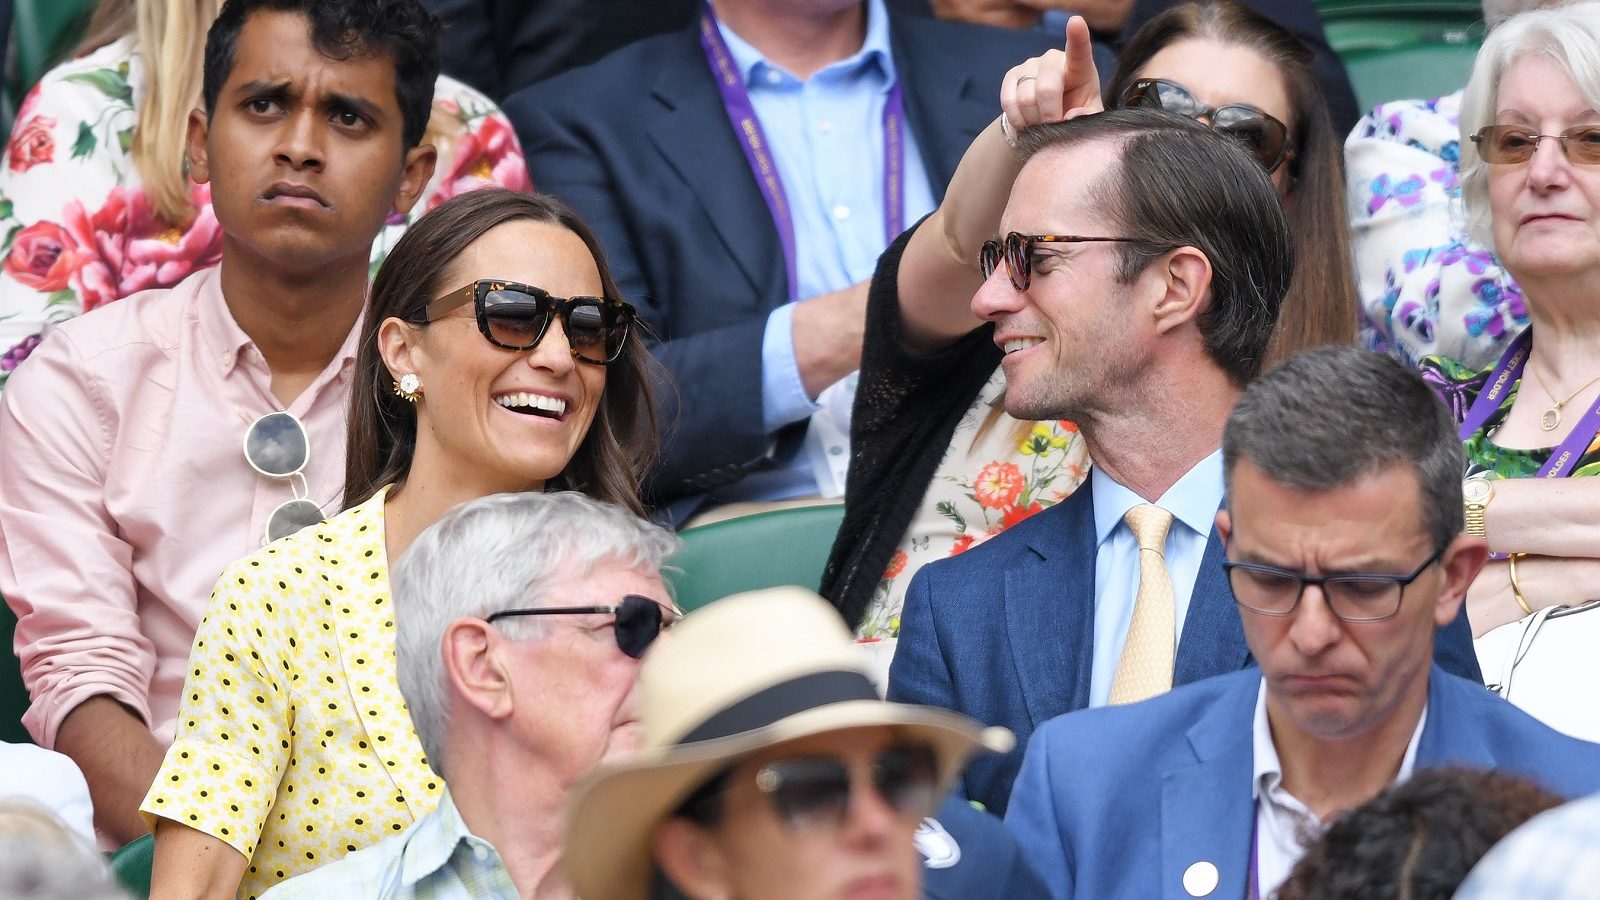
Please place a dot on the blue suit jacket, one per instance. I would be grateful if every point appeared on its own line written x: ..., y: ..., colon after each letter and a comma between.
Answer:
x: 1120, y: 802
x: 640, y: 146
x: 1005, y: 633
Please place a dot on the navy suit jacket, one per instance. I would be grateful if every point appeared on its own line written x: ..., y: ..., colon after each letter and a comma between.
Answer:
x: 1119, y: 802
x: 640, y: 146
x: 1005, y: 633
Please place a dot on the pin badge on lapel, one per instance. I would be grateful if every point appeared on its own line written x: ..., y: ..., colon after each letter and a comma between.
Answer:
x: 1200, y: 879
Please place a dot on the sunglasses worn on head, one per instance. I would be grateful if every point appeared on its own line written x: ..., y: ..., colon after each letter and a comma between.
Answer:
x: 1512, y: 144
x: 276, y: 445
x: 516, y: 317
x: 640, y: 620
x: 1017, y: 251
x: 813, y: 792
x: 1265, y: 137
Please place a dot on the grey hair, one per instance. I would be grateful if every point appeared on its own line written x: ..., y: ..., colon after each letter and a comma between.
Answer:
x: 1497, y: 11
x: 41, y: 859
x: 494, y: 553
x: 1568, y: 35
x: 1323, y: 418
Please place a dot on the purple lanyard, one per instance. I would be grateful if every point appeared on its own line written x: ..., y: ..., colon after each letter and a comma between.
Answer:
x: 1508, y: 372
x: 758, y: 152
x: 1252, y: 888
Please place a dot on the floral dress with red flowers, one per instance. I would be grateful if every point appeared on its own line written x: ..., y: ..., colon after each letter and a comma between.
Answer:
x: 989, y: 479
x: 77, y: 230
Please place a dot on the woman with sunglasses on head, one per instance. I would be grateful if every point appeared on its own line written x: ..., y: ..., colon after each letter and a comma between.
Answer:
x: 771, y: 770
x: 495, y: 356
x: 1530, y: 181
x: 933, y: 428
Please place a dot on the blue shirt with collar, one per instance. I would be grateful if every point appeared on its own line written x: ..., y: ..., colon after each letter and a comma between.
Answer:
x: 826, y: 135
x: 1193, y: 502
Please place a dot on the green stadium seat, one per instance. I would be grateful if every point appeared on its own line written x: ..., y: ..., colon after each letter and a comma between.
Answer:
x: 785, y: 546
x: 131, y: 865
x: 13, y: 696
x: 1421, y: 70
x: 43, y: 32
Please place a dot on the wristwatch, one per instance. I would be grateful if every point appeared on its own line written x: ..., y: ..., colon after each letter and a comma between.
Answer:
x: 1476, y: 492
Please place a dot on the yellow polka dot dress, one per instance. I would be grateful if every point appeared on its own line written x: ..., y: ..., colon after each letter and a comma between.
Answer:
x: 294, y: 745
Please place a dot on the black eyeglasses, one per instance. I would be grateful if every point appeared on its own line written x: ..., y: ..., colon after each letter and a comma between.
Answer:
x: 1511, y: 144
x: 516, y: 316
x: 276, y: 445
x: 1353, y: 597
x: 1265, y: 137
x: 640, y: 620
x: 1017, y: 251
x: 813, y: 792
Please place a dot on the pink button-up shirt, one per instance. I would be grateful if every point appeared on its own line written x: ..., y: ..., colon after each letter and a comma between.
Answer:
x: 124, y: 492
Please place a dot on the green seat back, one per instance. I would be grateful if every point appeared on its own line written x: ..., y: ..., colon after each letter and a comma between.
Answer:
x: 131, y: 865
x: 13, y: 696
x: 785, y: 546
x: 1421, y: 70
x: 43, y: 32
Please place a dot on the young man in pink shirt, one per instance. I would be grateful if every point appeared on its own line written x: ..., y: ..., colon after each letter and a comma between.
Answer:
x: 124, y: 488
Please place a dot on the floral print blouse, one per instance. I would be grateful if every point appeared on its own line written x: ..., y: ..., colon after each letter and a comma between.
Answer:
x: 77, y: 231
x: 1458, y: 385
x: 1426, y: 287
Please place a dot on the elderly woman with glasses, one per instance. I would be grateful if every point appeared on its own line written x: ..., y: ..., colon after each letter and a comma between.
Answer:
x: 937, y: 463
x: 495, y: 356
x: 1530, y: 178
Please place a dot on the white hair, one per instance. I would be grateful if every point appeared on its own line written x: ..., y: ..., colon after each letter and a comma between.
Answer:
x: 42, y: 859
x: 1497, y: 11
x: 1570, y: 36
x: 496, y: 553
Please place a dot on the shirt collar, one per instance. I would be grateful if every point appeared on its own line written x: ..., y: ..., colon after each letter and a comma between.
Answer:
x: 875, y: 55
x: 433, y: 841
x: 1192, y: 500
x: 226, y: 342
x: 1268, y: 776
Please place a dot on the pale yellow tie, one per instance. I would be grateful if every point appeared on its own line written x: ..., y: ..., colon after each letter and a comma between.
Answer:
x: 1145, y: 668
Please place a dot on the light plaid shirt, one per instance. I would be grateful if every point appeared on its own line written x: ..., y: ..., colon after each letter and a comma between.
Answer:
x: 437, y: 858
x: 1555, y: 856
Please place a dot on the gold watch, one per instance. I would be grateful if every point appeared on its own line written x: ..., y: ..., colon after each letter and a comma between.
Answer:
x: 1476, y: 492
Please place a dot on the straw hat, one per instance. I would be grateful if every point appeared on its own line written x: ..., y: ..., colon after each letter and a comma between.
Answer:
x: 744, y: 673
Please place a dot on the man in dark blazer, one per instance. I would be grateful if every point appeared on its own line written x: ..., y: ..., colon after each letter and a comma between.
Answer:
x: 1339, y: 462
x: 641, y: 146
x: 1144, y: 337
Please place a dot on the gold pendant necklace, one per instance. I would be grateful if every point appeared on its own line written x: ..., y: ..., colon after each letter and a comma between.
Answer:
x: 1550, y: 419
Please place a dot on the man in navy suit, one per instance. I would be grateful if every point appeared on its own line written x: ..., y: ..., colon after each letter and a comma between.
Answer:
x: 1144, y: 335
x: 644, y: 146
x: 1343, y: 535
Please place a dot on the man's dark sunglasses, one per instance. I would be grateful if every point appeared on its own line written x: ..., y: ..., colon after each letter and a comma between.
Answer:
x: 516, y: 317
x: 640, y: 620
x: 1265, y: 137
x: 1017, y: 250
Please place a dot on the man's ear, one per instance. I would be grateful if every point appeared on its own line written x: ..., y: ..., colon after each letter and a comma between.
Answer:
x: 1185, y: 274
x: 690, y: 857
x: 476, y: 667
x: 1460, y: 564
x: 420, y: 161
x: 1224, y: 527
x: 194, y: 146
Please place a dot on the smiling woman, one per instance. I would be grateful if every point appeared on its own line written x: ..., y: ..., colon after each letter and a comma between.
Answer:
x: 292, y: 708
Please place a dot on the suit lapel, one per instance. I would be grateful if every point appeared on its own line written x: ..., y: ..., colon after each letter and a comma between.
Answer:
x: 1213, y: 636
x: 1049, y: 608
x: 1206, y: 807
x: 1451, y: 735
x: 689, y: 126
x: 945, y: 108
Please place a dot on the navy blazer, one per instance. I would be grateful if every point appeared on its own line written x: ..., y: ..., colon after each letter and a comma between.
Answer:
x: 1119, y: 802
x: 1005, y: 633
x: 640, y: 146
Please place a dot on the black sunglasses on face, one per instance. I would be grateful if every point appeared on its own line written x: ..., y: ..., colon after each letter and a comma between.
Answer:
x: 516, y: 317
x: 640, y: 620
x: 813, y: 792
x: 1353, y: 597
x: 1265, y: 137
x: 1017, y: 251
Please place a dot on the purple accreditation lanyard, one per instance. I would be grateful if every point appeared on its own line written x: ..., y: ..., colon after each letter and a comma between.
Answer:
x: 1507, y: 372
x: 1252, y: 888
x: 758, y: 152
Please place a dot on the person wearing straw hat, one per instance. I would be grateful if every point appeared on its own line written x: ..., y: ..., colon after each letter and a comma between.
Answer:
x: 771, y: 768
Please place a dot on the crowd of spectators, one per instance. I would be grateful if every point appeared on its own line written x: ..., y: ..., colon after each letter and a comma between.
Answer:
x: 362, y: 357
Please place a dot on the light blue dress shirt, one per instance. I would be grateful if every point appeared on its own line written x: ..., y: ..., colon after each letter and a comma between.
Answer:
x: 1193, y: 502
x: 826, y: 134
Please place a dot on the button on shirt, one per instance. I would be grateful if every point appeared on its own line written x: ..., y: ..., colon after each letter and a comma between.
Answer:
x: 826, y: 136
x: 1284, y: 825
x: 1193, y: 502
x: 437, y: 858
x: 124, y: 491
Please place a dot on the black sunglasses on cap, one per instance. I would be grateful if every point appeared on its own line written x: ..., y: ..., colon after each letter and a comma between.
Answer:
x: 640, y: 620
x: 1265, y: 137
x: 516, y: 317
